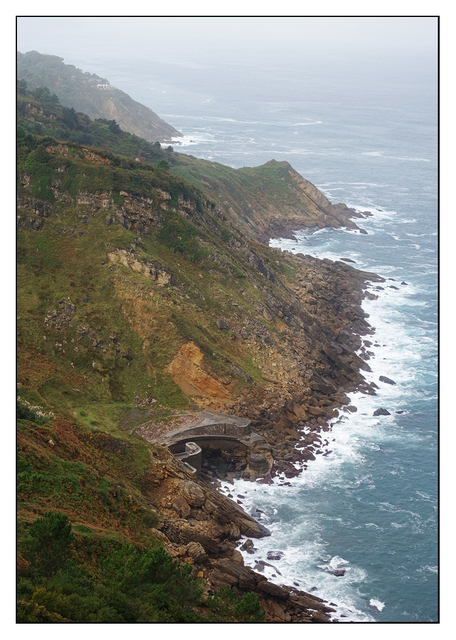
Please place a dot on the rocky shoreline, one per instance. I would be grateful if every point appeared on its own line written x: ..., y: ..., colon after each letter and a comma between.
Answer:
x: 203, y: 527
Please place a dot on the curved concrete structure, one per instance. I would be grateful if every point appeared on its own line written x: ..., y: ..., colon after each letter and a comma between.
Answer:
x: 211, y: 423
x: 190, y: 454
x: 213, y: 430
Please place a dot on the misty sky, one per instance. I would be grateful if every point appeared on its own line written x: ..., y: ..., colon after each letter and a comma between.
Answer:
x: 227, y: 38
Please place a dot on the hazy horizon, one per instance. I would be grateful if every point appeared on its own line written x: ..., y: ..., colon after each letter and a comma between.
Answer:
x: 227, y: 39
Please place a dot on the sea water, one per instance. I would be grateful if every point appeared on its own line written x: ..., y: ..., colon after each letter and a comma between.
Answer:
x: 359, y: 527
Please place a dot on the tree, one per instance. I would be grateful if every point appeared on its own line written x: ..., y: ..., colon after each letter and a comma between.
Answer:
x: 21, y: 86
x: 69, y: 117
x: 162, y: 165
x: 48, y: 544
x: 113, y: 126
x: 43, y: 94
x: 20, y: 138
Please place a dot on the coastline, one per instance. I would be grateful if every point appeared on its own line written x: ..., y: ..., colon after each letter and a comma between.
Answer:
x: 295, y: 434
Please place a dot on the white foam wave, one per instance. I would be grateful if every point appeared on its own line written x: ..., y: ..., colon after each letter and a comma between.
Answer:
x: 419, y: 235
x: 192, y: 139
x: 353, y: 184
x: 398, y: 346
x: 377, y: 604
x: 302, y: 562
x: 380, y: 154
x: 431, y: 569
x: 304, y: 124
x: 218, y: 119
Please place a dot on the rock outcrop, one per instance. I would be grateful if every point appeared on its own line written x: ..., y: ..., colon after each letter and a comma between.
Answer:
x: 190, y: 376
x: 202, y: 527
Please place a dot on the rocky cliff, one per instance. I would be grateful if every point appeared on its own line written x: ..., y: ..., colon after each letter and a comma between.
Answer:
x: 141, y: 298
x: 270, y: 201
x: 92, y: 95
x: 202, y: 527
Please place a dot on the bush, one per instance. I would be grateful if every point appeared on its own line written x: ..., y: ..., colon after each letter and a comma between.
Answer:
x: 48, y: 544
x: 40, y: 165
x: 162, y: 166
x: 181, y: 236
x: 227, y: 606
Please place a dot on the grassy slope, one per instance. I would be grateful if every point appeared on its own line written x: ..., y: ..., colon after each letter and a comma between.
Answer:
x: 268, y: 200
x: 121, y: 330
x: 92, y: 337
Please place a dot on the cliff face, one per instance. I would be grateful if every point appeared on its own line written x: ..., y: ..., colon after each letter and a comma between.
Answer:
x: 130, y: 115
x: 92, y: 95
x: 265, y: 202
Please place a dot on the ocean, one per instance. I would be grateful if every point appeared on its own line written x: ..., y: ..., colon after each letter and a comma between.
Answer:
x: 359, y: 527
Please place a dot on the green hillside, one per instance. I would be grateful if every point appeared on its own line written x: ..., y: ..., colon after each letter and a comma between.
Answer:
x: 92, y: 95
x: 140, y: 300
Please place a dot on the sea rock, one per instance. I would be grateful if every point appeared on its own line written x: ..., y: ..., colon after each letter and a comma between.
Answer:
x: 248, y: 546
x: 381, y: 412
x: 273, y: 590
x: 386, y: 379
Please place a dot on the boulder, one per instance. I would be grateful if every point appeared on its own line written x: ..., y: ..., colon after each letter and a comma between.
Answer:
x: 180, y: 532
x: 248, y: 546
x: 180, y: 505
x: 196, y: 551
x: 236, y: 574
x: 381, y: 412
x: 258, y: 463
x: 234, y: 532
x: 221, y: 324
x: 386, y: 379
x: 193, y: 494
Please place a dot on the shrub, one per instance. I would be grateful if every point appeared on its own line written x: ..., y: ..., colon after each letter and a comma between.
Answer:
x: 48, y: 544
x: 227, y: 606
